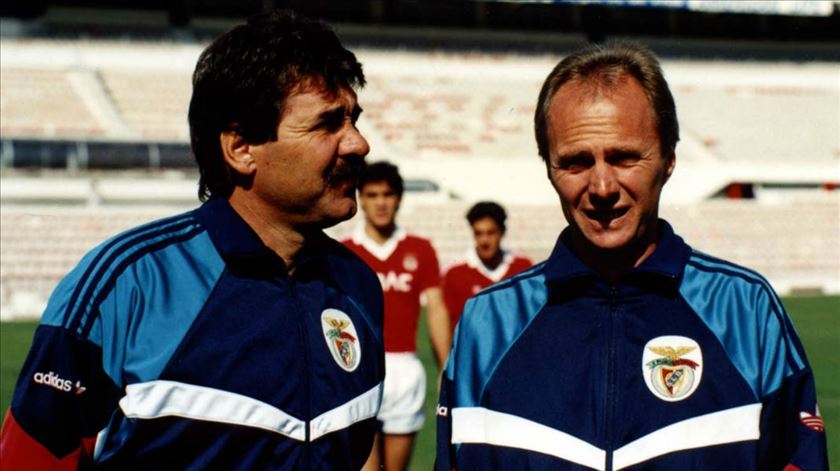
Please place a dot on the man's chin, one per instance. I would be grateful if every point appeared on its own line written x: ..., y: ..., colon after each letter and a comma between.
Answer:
x: 381, y: 223
x: 485, y: 256
x: 338, y: 216
x: 599, y: 241
x: 609, y: 241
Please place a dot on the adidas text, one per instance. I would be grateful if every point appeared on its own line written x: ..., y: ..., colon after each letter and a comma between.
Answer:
x: 53, y: 380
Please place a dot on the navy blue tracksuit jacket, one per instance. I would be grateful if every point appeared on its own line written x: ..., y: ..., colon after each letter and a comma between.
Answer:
x: 689, y: 363
x: 184, y: 345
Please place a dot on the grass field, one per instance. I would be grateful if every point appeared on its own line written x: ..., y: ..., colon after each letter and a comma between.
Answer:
x: 817, y: 320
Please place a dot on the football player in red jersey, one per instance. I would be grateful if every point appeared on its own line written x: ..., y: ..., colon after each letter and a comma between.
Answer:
x: 483, y: 265
x: 408, y: 269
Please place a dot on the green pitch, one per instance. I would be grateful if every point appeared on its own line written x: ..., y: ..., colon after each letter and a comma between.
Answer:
x: 817, y: 320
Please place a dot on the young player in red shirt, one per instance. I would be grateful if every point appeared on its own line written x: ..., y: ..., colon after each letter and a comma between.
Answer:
x: 408, y: 269
x: 484, y: 265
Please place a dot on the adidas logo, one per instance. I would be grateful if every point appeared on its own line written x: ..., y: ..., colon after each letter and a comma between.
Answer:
x: 54, y: 381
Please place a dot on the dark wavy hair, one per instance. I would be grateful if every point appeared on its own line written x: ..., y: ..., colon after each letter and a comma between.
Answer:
x: 242, y: 80
x: 605, y: 65
x: 382, y: 172
x: 488, y: 209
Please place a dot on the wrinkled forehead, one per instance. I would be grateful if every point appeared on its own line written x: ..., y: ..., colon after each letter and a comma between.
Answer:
x: 579, y: 106
x: 319, y: 85
x: 313, y: 94
x: 591, y: 88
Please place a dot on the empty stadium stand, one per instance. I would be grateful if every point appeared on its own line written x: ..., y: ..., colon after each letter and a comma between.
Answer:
x: 95, y: 140
x: 419, y: 104
x: 764, y: 123
x: 153, y: 105
x: 46, y: 103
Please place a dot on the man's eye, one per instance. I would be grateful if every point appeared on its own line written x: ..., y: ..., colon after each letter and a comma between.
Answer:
x: 574, y: 163
x: 624, y: 159
x: 331, y: 124
x: 331, y: 120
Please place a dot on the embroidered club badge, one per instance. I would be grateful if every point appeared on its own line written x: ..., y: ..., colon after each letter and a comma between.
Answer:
x: 342, y: 339
x: 672, y: 367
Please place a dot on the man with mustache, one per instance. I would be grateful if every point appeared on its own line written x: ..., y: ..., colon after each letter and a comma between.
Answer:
x: 626, y: 349
x: 237, y: 335
x: 408, y: 270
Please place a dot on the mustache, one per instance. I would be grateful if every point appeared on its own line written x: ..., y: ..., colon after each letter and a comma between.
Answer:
x: 351, y: 170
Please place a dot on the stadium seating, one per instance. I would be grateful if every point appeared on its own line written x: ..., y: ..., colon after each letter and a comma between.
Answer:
x: 153, y: 105
x: 44, y: 103
x: 462, y: 121
x: 419, y: 105
x: 763, y: 124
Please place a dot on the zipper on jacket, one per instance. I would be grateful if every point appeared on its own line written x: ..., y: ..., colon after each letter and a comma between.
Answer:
x: 610, y: 409
x: 306, y: 371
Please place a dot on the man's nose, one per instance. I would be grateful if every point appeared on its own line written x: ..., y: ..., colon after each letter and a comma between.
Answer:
x: 353, y: 143
x: 602, y: 181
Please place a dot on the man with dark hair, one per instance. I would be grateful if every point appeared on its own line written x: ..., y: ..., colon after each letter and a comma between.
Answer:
x: 626, y: 349
x: 237, y: 335
x: 408, y: 271
x: 484, y: 264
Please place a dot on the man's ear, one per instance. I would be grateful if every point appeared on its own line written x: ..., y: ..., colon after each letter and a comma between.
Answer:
x: 672, y: 162
x: 237, y: 153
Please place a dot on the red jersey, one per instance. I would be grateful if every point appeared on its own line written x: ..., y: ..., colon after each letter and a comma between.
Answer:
x: 406, y: 266
x: 467, y: 278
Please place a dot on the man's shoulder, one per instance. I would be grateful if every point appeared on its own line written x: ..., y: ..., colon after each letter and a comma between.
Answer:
x: 152, y: 237
x: 711, y: 286
x: 146, y: 255
x: 741, y: 308
x: 724, y: 271
x: 155, y: 229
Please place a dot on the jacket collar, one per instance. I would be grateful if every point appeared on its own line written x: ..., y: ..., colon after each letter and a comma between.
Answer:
x: 237, y: 242
x: 665, y: 263
x: 232, y: 236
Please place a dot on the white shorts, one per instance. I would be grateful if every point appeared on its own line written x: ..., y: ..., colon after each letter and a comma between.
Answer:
x: 405, y: 390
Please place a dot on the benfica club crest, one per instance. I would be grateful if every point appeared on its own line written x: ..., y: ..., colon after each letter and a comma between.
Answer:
x: 341, y: 337
x: 672, y: 367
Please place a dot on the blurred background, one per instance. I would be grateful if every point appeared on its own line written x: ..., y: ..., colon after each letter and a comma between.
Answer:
x: 94, y: 136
